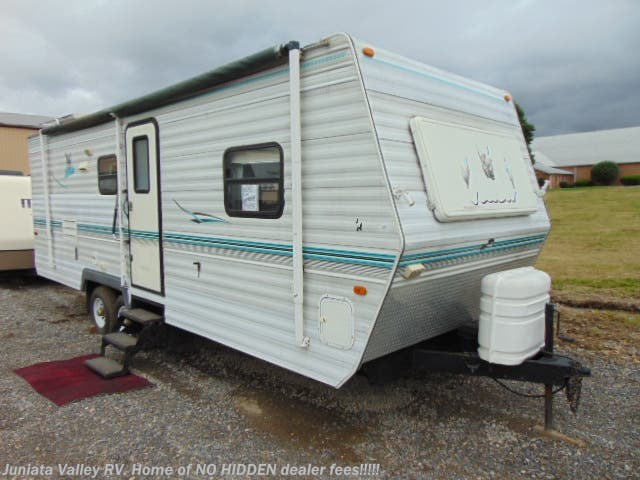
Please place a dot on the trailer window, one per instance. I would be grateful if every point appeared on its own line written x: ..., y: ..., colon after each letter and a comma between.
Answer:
x: 141, y: 164
x: 108, y: 175
x: 253, y: 185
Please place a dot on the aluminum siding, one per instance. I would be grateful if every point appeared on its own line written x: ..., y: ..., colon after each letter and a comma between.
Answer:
x: 397, y: 90
x: 74, y: 197
x: 242, y: 296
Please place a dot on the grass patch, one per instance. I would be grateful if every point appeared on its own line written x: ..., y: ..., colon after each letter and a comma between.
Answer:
x: 634, y: 321
x: 611, y: 334
x: 623, y: 287
x: 594, y: 245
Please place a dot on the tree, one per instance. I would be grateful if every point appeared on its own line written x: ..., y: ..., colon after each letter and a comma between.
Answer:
x: 528, y: 130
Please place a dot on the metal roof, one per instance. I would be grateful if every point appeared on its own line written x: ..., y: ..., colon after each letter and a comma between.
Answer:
x: 620, y: 145
x: 22, y: 120
x: 545, y: 164
x: 541, y: 167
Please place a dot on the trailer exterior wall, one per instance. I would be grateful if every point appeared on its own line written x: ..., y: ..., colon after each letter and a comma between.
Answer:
x: 241, y: 294
x: 75, y: 204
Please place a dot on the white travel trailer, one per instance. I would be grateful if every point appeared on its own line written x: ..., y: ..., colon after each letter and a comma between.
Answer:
x: 16, y: 222
x: 316, y: 207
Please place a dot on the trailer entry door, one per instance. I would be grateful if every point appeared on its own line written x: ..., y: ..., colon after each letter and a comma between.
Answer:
x: 473, y: 173
x: 143, y: 188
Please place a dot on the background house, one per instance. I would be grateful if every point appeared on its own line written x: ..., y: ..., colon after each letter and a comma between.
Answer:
x: 545, y: 171
x: 16, y: 221
x: 577, y: 153
x: 15, y: 128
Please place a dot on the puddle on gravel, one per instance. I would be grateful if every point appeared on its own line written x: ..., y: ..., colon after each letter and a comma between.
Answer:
x: 296, y: 422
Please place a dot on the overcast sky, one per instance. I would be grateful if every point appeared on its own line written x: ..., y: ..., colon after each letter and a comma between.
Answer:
x: 573, y: 65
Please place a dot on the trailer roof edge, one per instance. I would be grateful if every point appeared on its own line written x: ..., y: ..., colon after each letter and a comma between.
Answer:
x: 248, y: 65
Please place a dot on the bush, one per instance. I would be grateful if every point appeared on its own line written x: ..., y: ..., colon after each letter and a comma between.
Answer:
x: 630, y: 180
x: 605, y: 173
x: 565, y: 184
x: 584, y: 183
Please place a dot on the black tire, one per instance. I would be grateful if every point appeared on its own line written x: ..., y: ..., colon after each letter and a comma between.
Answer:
x: 103, y: 309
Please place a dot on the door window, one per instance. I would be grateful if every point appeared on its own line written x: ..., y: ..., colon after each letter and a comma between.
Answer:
x: 141, y: 182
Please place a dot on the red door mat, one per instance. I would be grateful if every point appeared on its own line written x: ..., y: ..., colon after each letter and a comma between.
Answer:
x: 65, y: 381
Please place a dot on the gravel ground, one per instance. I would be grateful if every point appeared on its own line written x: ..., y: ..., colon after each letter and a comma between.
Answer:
x: 211, y: 405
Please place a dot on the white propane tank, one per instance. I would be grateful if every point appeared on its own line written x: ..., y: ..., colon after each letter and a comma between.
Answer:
x: 512, y: 310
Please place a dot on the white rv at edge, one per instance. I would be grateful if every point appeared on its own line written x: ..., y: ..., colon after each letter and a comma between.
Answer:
x: 16, y: 222
x: 316, y: 207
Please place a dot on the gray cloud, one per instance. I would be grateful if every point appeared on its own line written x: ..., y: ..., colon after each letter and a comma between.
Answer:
x: 571, y: 64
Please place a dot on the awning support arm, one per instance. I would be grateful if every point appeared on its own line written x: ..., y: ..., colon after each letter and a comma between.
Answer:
x: 296, y: 195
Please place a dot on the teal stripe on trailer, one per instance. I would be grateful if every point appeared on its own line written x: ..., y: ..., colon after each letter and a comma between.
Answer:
x: 43, y: 222
x: 95, y: 228
x: 412, y: 256
x: 283, y: 247
x: 479, y: 251
x: 381, y: 256
x: 184, y: 236
x: 328, y: 258
x: 287, y: 253
x: 228, y: 246
x: 374, y: 259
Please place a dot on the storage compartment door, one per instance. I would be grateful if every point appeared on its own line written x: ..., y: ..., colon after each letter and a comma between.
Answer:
x: 473, y: 173
x: 336, y: 324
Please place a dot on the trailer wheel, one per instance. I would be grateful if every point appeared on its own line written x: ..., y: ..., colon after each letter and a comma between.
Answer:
x: 103, y: 309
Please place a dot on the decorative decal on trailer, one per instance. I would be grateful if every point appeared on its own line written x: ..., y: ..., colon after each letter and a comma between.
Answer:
x: 69, y: 171
x: 487, y: 163
x: 466, y: 172
x: 200, y: 217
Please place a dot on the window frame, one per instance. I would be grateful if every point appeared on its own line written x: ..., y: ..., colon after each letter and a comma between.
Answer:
x: 253, y: 181
x: 135, y: 164
x: 100, y: 159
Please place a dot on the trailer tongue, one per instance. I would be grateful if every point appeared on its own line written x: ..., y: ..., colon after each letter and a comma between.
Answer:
x: 457, y: 352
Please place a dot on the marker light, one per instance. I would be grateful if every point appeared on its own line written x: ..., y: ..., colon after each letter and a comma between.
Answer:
x: 368, y: 51
x: 360, y: 290
x: 507, y: 97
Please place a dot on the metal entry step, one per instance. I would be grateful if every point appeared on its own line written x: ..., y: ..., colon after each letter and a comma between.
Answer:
x: 106, y: 367
x: 142, y: 316
x: 120, y: 340
x: 126, y: 343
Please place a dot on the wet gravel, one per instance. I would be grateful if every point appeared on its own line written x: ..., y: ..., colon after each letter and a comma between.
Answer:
x: 212, y: 405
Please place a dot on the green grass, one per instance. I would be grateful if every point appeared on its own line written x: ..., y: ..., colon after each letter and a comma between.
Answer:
x: 594, y: 246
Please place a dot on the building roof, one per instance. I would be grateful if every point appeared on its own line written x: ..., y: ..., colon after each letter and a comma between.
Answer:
x: 545, y: 164
x: 541, y: 167
x: 620, y: 145
x: 22, y: 120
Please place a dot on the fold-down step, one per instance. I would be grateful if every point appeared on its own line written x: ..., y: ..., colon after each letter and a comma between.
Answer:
x: 106, y: 367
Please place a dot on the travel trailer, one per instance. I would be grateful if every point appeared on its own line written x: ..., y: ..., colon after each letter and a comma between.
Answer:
x: 317, y: 207
x: 16, y: 222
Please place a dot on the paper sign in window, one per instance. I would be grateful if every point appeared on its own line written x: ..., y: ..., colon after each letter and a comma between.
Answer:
x: 249, y: 197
